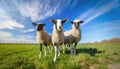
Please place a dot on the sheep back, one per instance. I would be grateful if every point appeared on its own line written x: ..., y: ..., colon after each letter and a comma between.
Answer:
x: 72, y: 36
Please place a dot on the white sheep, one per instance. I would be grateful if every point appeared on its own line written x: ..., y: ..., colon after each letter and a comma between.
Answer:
x: 73, y: 36
x: 43, y: 38
x: 57, y: 35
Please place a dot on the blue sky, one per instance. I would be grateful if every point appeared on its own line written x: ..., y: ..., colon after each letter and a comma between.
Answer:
x: 102, y: 18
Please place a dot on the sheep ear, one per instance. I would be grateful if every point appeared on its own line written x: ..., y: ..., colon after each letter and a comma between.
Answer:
x: 53, y: 21
x: 81, y: 21
x: 72, y: 22
x: 34, y: 23
x: 44, y: 24
x: 65, y: 20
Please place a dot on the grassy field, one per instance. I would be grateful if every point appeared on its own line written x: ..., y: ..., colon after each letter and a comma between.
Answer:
x: 89, y: 56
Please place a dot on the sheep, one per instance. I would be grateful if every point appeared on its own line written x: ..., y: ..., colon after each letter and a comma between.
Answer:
x: 73, y: 36
x: 42, y: 37
x: 57, y: 35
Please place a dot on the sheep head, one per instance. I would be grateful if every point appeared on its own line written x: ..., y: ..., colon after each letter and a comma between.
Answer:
x: 39, y: 27
x: 76, y: 23
x: 59, y: 23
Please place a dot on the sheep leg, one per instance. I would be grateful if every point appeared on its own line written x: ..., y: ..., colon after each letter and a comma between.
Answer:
x: 75, y: 48
x: 49, y: 49
x: 64, y: 48
x: 45, y: 49
x: 58, y: 50
x: 67, y: 46
x: 40, y: 50
x: 55, y: 56
x: 74, y: 51
x: 71, y: 51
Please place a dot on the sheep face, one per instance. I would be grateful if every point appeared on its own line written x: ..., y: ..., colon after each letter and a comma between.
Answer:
x: 59, y: 23
x: 76, y: 23
x: 39, y: 27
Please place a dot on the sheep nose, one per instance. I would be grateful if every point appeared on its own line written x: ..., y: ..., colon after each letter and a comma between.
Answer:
x: 60, y: 27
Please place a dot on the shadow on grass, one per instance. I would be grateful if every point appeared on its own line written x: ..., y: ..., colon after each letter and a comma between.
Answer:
x: 91, y: 51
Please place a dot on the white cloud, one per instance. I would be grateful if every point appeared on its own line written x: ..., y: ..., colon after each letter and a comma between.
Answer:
x: 103, y: 28
x: 101, y: 31
x: 10, y: 24
x: 9, y: 37
x: 28, y: 30
x: 74, y: 3
x: 39, y: 9
x: 5, y: 34
x: 108, y: 24
x: 3, y: 15
x: 99, y: 9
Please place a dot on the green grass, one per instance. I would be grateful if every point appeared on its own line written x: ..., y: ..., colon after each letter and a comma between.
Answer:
x: 97, y: 56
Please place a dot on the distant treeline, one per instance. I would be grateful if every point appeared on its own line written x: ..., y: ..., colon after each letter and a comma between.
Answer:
x: 111, y: 41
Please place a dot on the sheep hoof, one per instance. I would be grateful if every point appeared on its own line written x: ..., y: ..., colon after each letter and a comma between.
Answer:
x: 54, y: 60
x: 39, y: 56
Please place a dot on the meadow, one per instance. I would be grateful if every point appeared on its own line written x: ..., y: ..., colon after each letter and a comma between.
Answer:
x: 89, y: 56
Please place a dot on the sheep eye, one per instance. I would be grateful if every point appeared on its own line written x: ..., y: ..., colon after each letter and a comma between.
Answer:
x: 55, y: 22
x: 72, y: 22
x: 62, y: 23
